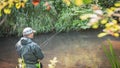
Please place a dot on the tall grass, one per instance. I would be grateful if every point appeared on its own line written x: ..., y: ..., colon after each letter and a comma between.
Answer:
x: 114, y: 61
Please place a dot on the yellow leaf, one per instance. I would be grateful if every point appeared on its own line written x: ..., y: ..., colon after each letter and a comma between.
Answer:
x: 3, y: 5
x: 16, y: 1
x: 104, y: 21
x: 116, y: 34
x: 10, y: 5
x: 110, y: 12
x: 114, y: 21
x: 78, y: 2
x: 117, y: 4
x: 25, y: 1
x: 102, y: 34
x: 10, y: 1
x: 112, y: 8
x: 107, y: 25
x: 18, y: 5
x: 95, y: 26
x: 22, y: 4
x: 85, y: 16
x: 7, y: 10
x: 67, y: 2
x: 0, y: 13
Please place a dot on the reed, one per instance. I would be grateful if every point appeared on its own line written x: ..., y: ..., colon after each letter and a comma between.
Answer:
x: 110, y: 53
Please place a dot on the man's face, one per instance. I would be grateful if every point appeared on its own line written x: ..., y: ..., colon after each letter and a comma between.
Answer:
x: 31, y: 35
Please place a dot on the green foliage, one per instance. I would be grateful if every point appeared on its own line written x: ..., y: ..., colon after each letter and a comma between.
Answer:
x: 111, y: 55
x: 60, y: 18
x: 77, y: 24
x: 87, y: 1
x: 59, y: 5
x: 107, y: 3
x: 36, y: 17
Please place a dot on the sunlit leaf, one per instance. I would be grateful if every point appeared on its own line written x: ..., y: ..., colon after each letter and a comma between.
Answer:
x: 16, y: 1
x: 25, y: 1
x: 0, y: 13
x: 102, y: 34
x: 85, y: 16
x: 10, y: 5
x: 116, y: 34
x: 78, y: 2
x: 108, y: 25
x: 104, y: 21
x: 95, y: 26
x: 112, y: 8
x: 87, y: 1
x: 18, y: 5
x: 109, y: 12
x: 117, y: 4
x: 67, y: 2
x: 22, y: 4
x: 114, y: 21
x: 7, y: 10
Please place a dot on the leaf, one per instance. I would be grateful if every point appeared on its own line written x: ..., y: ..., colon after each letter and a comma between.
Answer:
x: 78, y: 2
x: 87, y: 1
x: 102, y: 34
x: 111, y: 55
x: 117, y: 4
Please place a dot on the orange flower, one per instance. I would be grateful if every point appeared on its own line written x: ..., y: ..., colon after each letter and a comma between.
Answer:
x: 35, y: 2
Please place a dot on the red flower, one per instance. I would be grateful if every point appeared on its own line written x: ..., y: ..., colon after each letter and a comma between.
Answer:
x: 35, y: 2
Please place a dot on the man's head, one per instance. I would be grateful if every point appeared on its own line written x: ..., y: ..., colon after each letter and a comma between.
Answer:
x: 28, y: 32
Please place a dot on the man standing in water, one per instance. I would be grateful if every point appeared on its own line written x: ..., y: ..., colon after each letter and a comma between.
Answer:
x: 28, y: 50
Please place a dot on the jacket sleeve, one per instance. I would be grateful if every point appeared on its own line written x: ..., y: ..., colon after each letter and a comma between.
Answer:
x: 38, y: 52
x: 18, y: 49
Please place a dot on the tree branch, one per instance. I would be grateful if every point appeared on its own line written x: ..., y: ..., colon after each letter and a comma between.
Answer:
x: 3, y: 20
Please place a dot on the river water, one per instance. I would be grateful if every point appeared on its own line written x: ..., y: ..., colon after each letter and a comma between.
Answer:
x: 81, y: 49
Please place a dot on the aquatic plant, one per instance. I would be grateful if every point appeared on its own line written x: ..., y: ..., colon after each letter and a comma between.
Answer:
x: 53, y: 63
x: 114, y: 61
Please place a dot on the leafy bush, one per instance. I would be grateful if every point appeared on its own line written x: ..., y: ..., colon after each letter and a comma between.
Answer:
x: 63, y: 16
x: 59, y: 18
x: 107, y: 3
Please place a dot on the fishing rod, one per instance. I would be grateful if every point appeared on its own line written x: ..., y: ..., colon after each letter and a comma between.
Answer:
x: 46, y: 41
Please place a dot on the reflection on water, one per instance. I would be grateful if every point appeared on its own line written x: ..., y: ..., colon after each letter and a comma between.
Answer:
x: 73, y: 50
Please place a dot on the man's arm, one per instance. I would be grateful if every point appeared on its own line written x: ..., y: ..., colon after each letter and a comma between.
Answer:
x: 38, y: 52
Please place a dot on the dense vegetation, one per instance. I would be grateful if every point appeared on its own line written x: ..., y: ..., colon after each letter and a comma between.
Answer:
x: 53, y: 15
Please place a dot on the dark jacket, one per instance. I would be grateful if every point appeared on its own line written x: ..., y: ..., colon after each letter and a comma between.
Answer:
x: 29, y: 50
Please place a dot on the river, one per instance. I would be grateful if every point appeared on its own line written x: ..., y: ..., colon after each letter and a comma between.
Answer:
x: 74, y: 49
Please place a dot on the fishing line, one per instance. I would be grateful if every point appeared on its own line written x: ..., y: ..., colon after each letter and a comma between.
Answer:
x: 46, y: 41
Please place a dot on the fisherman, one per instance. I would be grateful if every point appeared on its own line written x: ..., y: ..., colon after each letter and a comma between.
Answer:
x: 28, y: 50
